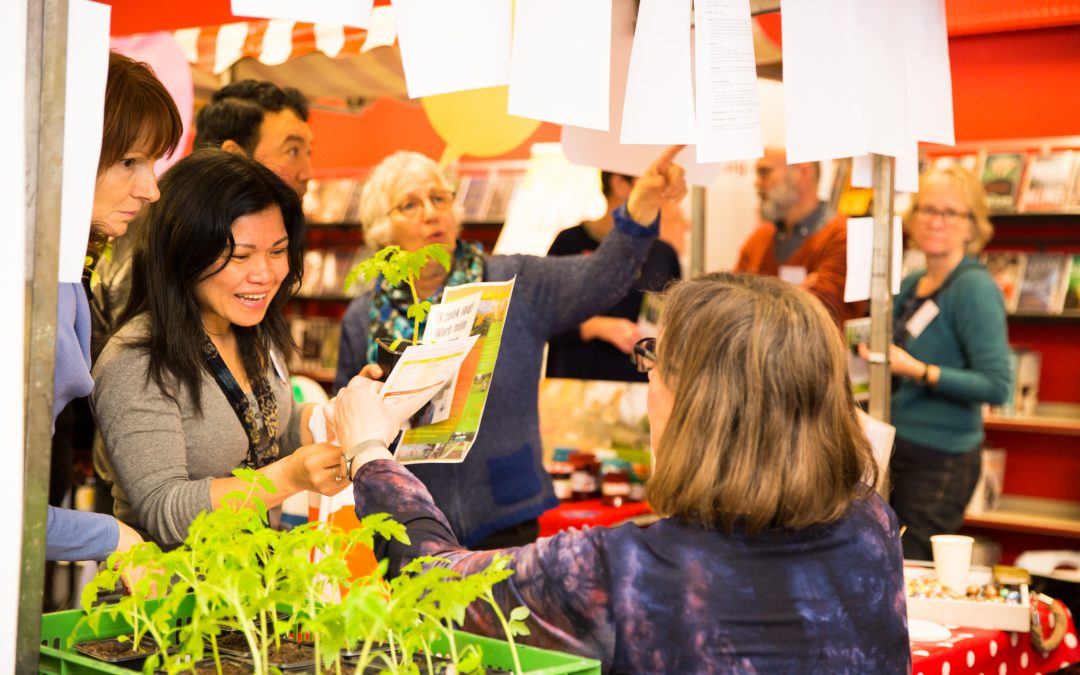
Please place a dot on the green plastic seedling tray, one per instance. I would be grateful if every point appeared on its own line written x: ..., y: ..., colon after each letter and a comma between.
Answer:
x: 57, y: 657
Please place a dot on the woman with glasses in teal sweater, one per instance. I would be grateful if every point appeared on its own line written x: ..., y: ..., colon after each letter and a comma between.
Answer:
x: 950, y: 356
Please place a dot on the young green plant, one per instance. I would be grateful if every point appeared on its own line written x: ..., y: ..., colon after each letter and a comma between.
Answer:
x: 397, y: 266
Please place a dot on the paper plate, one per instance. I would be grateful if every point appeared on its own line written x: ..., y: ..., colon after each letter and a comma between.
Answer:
x: 920, y: 630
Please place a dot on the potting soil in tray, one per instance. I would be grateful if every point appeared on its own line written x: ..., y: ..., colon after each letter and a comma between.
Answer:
x: 112, y: 651
x: 228, y: 667
x: 289, y: 655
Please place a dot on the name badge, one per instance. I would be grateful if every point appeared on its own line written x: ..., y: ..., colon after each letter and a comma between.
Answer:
x: 922, y: 318
x: 793, y: 274
x: 278, y: 368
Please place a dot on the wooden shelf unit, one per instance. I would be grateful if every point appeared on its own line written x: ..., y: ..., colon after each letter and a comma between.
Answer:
x: 1049, y: 418
x: 1040, y: 507
x: 1032, y: 515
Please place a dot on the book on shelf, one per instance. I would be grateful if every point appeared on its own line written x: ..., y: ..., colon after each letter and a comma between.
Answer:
x: 1046, y: 280
x: 969, y: 161
x: 1047, y: 181
x: 325, y: 271
x: 312, y: 280
x: 317, y: 339
x: 1073, y: 203
x: 1072, y: 295
x: 1007, y: 268
x: 1001, y: 177
x: 328, y: 201
x: 1025, y: 369
x: 857, y: 331
x: 987, y: 495
x: 473, y: 197
x: 501, y: 193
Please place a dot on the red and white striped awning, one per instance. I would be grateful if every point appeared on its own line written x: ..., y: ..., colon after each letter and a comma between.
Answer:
x: 274, y: 41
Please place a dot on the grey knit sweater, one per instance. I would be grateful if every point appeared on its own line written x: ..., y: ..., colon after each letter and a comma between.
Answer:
x: 502, y: 482
x: 162, y: 454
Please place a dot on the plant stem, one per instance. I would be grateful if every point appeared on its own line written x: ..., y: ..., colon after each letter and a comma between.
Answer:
x: 490, y: 598
x: 416, y: 301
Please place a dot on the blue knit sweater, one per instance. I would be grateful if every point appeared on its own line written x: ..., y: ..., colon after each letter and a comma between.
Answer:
x: 502, y: 482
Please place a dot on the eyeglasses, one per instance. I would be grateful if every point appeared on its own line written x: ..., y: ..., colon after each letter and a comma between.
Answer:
x: 644, y: 354
x: 440, y: 200
x: 951, y: 217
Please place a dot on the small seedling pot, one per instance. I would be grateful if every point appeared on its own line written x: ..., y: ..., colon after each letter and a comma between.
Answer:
x: 292, y: 656
x: 229, y: 666
x: 110, y: 650
x: 387, y: 358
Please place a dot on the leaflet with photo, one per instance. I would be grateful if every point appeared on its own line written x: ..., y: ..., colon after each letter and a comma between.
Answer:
x: 464, y: 397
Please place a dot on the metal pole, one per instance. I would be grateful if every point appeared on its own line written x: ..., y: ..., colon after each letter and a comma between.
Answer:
x: 46, y: 62
x: 697, y: 231
x: 881, y: 289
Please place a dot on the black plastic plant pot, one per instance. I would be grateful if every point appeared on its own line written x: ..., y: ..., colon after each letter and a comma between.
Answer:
x: 387, y: 358
x: 291, y: 655
x: 110, y: 650
x: 229, y: 666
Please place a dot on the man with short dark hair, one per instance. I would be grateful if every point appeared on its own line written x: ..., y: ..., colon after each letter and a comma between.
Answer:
x: 800, y: 239
x: 600, y: 348
x: 262, y: 121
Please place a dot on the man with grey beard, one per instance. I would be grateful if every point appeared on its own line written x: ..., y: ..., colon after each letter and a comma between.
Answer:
x: 799, y: 239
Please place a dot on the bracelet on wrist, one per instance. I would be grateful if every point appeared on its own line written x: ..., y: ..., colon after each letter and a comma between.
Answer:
x: 924, y: 379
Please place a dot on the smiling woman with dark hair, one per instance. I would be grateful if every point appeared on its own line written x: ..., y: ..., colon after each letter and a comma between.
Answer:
x: 193, y: 385
x: 773, y: 553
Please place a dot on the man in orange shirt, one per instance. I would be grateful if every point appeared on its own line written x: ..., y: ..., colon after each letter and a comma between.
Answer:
x: 799, y: 240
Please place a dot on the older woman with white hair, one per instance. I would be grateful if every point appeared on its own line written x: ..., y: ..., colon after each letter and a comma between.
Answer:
x: 494, y: 498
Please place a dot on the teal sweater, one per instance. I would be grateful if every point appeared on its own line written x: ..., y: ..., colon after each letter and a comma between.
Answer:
x: 968, y: 341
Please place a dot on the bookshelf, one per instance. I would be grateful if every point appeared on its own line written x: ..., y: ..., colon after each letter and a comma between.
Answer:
x: 1040, y: 504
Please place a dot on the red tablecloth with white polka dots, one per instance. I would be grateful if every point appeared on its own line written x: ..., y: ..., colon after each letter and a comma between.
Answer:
x: 993, y: 652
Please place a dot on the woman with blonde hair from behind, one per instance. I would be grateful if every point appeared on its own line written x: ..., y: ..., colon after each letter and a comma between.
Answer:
x: 772, y: 554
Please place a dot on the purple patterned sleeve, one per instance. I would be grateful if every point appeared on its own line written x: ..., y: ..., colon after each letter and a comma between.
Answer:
x: 562, y: 580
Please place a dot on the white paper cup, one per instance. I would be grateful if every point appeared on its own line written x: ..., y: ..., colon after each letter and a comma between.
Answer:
x: 952, y: 560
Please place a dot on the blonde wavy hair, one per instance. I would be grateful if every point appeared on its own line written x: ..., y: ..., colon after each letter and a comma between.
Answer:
x: 763, y: 431
x: 971, y: 191
x: 390, y: 177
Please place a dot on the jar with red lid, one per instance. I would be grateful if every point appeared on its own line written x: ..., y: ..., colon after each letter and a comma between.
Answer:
x: 585, y: 479
x: 615, y: 482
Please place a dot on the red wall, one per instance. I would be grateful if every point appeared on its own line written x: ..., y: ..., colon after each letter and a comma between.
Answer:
x: 1016, y: 85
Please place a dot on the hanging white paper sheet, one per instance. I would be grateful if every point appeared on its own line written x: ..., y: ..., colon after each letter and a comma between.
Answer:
x: 728, y: 115
x: 345, y: 12
x: 601, y: 149
x: 929, y: 80
x: 822, y: 90
x: 453, y: 46
x: 84, y: 112
x: 881, y: 76
x: 561, y: 62
x: 659, y: 103
x: 881, y: 436
x: 860, y: 256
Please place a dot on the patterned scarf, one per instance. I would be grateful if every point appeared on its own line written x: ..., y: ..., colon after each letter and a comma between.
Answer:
x: 387, y: 315
x: 260, y: 451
